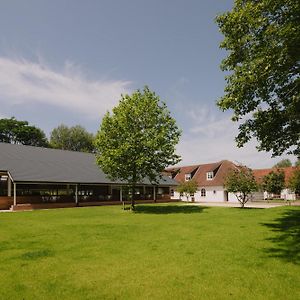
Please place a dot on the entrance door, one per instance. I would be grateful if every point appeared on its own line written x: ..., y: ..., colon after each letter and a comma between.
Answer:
x: 225, y: 196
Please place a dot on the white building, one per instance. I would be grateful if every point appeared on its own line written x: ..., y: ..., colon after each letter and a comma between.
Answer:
x: 210, y: 179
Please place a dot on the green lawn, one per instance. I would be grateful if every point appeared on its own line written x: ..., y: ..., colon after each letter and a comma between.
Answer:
x: 159, y: 252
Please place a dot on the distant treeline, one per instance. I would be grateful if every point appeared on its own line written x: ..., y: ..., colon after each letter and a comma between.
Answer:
x: 75, y: 138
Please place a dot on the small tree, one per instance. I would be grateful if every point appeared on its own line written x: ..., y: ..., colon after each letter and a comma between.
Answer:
x: 274, y: 182
x: 283, y: 163
x: 294, y: 182
x: 242, y: 183
x: 74, y: 138
x: 187, y: 188
x: 137, y: 140
x: 20, y: 132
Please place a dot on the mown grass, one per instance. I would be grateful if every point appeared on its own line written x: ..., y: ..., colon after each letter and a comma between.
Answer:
x: 159, y: 252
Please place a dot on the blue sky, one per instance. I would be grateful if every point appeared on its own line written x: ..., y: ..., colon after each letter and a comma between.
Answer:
x: 69, y: 61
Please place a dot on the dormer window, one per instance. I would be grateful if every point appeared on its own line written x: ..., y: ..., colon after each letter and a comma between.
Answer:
x: 188, y: 177
x: 209, y: 175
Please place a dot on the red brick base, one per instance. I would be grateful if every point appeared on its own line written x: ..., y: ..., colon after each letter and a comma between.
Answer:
x: 29, y: 206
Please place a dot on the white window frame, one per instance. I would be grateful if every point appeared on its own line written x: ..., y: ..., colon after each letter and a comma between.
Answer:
x: 203, y: 192
x: 209, y: 175
x: 188, y: 177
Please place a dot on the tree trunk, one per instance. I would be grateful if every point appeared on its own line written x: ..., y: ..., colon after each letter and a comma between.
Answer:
x: 243, y: 201
x: 133, y: 186
x: 132, y: 196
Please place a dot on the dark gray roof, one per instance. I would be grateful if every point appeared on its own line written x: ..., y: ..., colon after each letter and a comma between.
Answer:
x: 35, y: 164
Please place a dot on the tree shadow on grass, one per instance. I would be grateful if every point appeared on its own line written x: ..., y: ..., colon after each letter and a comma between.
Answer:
x: 247, y: 208
x: 168, y: 209
x: 287, y: 238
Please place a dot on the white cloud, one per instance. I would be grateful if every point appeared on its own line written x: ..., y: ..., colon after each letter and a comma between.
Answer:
x: 210, y: 138
x: 208, y: 134
x: 23, y: 81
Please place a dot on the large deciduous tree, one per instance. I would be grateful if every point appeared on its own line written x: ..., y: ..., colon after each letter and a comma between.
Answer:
x: 241, y: 183
x: 263, y: 81
x: 74, y: 138
x: 137, y: 140
x: 274, y: 182
x: 20, y: 132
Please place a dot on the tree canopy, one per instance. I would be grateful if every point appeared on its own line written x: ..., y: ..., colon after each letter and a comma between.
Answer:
x: 263, y: 81
x: 283, y: 164
x: 274, y: 182
x: 137, y: 140
x: 294, y: 182
x: 241, y: 182
x: 20, y: 132
x: 74, y: 138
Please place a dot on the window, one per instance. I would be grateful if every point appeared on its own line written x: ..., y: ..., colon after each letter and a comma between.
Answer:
x: 188, y: 177
x: 203, y: 192
x: 192, y: 194
x: 215, y: 192
x: 181, y: 194
x: 172, y: 193
x: 3, y: 188
x: 3, y: 177
x: 159, y: 191
x: 209, y: 175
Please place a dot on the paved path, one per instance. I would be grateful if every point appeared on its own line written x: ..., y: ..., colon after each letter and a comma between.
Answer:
x: 249, y: 204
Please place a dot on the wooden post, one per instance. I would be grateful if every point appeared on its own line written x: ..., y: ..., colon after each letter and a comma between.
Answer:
x: 76, y: 194
x: 154, y: 194
x: 109, y: 192
x: 144, y: 192
x: 15, y: 194
x: 8, y: 187
x: 121, y: 194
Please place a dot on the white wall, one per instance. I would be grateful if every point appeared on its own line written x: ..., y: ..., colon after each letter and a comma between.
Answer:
x: 217, y: 196
x: 213, y: 194
x: 232, y: 198
x: 258, y: 196
x: 287, y: 194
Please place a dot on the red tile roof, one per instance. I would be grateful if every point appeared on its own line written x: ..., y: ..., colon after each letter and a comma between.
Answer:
x: 220, y: 169
x: 260, y: 173
x: 180, y: 173
x: 199, y: 172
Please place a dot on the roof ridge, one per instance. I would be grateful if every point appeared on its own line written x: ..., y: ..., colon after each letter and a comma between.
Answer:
x: 44, y: 148
x: 204, y: 164
x: 274, y: 168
